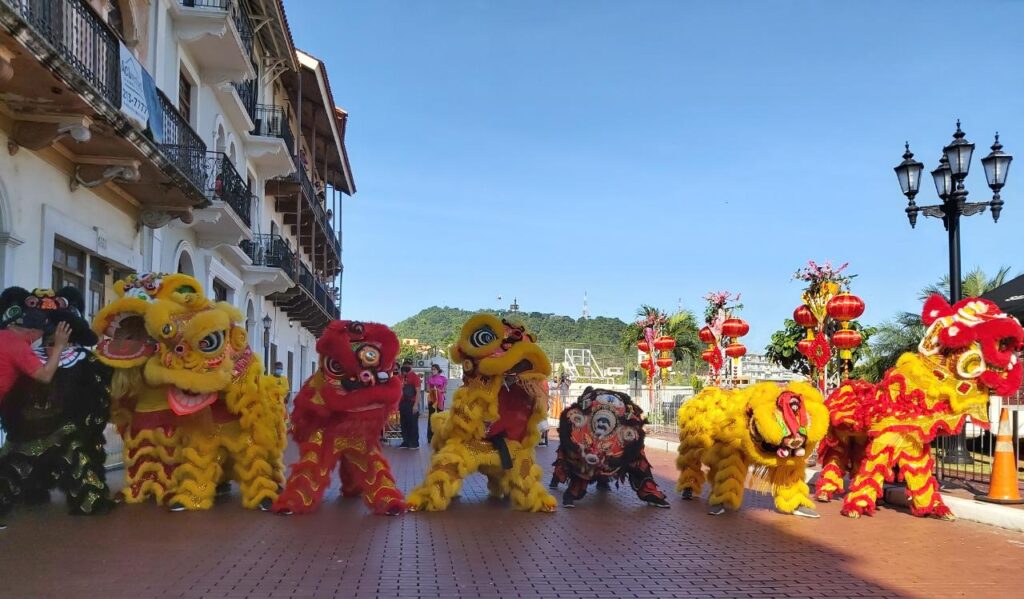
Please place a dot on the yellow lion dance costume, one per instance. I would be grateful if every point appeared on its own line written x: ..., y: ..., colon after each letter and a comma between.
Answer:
x: 767, y: 427
x: 189, y: 396
x: 491, y: 427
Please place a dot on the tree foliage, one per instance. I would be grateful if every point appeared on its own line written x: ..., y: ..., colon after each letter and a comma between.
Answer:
x: 681, y: 326
x: 892, y: 339
x: 439, y: 326
x: 782, y: 349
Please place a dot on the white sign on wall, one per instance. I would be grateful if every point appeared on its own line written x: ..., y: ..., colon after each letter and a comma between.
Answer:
x: 133, y: 90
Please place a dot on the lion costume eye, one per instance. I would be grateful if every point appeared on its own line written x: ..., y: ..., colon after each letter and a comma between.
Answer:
x: 368, y: 356
x: 333, y: 368
x: 482, y: 337
x: 167, y: 330
x: 628, y: 434
x: 603, y: 422
x: 212, y: 342
x: 577, y: 418
x: 31, y: 301
x: 12, y: 313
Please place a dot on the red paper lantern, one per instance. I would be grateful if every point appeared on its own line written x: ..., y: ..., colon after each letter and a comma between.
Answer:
x: 706, y: 355
x: 846, y: 339
x: 646, y: 364
x: 845, y: 307
x: 804, y: 317
x: 643, y: 346
x: 735, y: 350
x: 706, y: 335
x: 664, y: 362
x: 735, y: 327
x: 664, y: 343
x: 805, y: 347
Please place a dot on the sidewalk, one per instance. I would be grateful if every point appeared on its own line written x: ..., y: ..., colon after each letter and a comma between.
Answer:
x: 963, y: 505
x: 611, y: 545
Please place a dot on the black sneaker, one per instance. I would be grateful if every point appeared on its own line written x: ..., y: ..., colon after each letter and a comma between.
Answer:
x: 604, y: 485
x: 176, y: 507
x: 658, y: 502
x: 3, y: 526
x: 716, y: 510
x: 568, y: 502
x: 553, y: 484
x: 414, y: 447
x: 687, y: 494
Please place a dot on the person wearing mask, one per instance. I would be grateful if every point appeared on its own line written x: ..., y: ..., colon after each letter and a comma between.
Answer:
x: 409, y: 407
x: 437, y: 383
x: 17, y: 358
x: 279, y: 373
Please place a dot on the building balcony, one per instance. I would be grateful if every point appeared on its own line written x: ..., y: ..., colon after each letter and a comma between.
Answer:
x: 227, y: 220
x: 272, y: 265
x: 270, y: 144
x: 277, y: 273
x: 238, y: 100
x: 219, y: 36
x: 66, y: 92
x: 303, y: 210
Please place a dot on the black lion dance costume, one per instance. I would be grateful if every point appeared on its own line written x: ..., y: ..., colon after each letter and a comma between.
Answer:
x: 55, y: 431
x: 601, y: 438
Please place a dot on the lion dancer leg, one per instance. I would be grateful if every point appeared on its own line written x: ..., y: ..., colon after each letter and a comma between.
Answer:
x: 641, y: 478
x: 691, y: 474
x: 876, y: 468
x: 577, y: 489
x: 376, y: 481
x: 253, y: 461
x: 729, y: 473
x: 833, y: 454
x: 150, y: 455
x: 84, y: 474
x: 196, y: 476
x: 351, y: 483
x: 448, y: 467
x: 918, y: 468
x: 526, y: 490
x: 310, y: 476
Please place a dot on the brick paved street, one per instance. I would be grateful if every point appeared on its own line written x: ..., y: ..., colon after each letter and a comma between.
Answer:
x: 610, y: 546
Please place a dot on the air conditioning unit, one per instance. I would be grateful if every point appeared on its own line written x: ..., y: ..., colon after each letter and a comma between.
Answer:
x: 422, y: 363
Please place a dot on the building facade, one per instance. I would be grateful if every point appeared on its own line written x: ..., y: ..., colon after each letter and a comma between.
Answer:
x: 175, y: 136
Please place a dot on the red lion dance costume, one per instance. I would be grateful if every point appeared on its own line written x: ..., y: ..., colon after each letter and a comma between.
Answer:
x: 338, y: 418
x: 968, y: 352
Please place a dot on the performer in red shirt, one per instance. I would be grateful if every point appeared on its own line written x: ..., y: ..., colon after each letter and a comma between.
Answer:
x: 17, y: 357
x: 409, y: 407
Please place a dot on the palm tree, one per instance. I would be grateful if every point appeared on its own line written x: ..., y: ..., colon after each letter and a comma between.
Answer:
x: 903, y: 333
x: 975, y: 284
x: 681, y: 326
x: 891, y: 339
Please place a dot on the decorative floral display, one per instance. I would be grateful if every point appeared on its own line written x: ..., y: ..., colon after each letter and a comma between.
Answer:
x: 827, y: 296
x: 722, y: 331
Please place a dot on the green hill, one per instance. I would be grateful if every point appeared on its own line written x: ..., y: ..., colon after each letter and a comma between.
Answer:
x: 439, y: 326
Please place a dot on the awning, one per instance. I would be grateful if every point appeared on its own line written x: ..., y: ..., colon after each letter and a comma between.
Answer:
x: 1009, y: 297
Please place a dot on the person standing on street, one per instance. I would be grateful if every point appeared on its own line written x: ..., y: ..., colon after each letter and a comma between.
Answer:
x: 409, y: 407
x: 437, y: 383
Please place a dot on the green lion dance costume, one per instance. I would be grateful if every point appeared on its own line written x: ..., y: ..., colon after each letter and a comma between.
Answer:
x: 190, y: 398
x: 491, y: 427
x: 767, y: 427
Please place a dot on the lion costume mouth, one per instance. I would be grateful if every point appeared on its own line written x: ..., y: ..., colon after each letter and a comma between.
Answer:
x: 793, y: 446
x: 184, y: 402
x: 125, y: 338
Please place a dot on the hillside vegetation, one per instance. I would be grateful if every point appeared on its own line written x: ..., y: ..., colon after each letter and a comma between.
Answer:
x: 438, y: 327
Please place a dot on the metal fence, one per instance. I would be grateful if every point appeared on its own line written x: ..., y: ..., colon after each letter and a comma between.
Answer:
x: 973, y: 471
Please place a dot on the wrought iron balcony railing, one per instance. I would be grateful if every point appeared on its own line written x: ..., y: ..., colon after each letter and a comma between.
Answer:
x: 246, y: 91
x: 317, y: 207
x: 79, y: 37
x: 271, y: 251
x: 182, y: 145
x: 272, y: 121
x: 239, y: 15
x: 225, y: 184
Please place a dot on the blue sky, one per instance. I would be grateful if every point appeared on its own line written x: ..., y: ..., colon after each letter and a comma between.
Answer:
x: 647, y: 152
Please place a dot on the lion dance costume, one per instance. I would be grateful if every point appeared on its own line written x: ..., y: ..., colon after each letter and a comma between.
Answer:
x: 190, y: 399
x: 492, y: 426
x: 765, y: 426
x: 55, y: 431
x: 338, y: 418
x: 968, y: 352
x: 601, y: 437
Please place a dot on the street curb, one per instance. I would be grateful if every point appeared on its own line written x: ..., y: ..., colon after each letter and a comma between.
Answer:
x: 991, y: 514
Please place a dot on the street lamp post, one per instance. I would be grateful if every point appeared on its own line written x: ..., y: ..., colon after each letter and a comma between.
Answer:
x: 949, y: 185
x: 267, y: 321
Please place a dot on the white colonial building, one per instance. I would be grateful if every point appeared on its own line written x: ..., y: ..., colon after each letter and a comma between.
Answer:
x: 176, y: 136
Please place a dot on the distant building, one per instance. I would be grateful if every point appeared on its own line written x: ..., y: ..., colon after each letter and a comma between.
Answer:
x: 757, y: 368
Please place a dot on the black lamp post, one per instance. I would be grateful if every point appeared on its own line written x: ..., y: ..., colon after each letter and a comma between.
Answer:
x: 267, y: 321
x: 949, y: 185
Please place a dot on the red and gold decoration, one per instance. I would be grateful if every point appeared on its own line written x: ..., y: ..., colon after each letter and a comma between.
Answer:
x: 827, y: 297
x: 721, y: 333
x: 657, y: 347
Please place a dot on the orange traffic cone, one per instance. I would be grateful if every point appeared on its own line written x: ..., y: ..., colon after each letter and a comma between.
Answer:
x: 1004, y: 486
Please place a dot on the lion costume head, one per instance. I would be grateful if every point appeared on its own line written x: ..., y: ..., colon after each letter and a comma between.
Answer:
x: 602, y: 432
x: 782, y: 427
